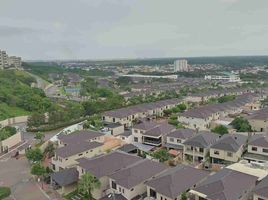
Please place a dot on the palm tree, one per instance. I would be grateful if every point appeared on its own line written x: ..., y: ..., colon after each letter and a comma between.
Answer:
x: 87, y: 184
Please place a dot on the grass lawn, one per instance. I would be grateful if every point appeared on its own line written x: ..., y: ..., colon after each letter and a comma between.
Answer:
x: 74, y: 194
x: 7, y: 111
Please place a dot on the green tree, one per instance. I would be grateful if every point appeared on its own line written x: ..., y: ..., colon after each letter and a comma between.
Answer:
x: 183, y: 196
x: 36, y: 119
x: 162, y: 155
x: 39, y: 171
x: 49, y: 150
x: 241, y: 124
x: 182, y: 107
x: 220, y: 129
x: 34, y: 155
x: 39, y: 136
x: 87, y: 184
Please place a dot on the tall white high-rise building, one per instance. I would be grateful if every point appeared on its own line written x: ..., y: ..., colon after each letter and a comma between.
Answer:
x: 181, y: 66
x: 3, y: 59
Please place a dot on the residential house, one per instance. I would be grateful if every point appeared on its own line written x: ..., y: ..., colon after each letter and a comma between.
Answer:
x: 130, y: 181
x: 259, y: 120
x: 226, y: 184
x: 170, y: 184
x: 65, y: 181
x: 229, y: 148
x: 151, y: 132
x: 126, y: 116
x: 126, y: 136
x: 115, y: 128
x: 175, y: 139
x: 196, y: 148
x: 257, y: 150
x: 103, y: 166
x: 201, y: 118
x: 260, y: 192
x: 76, y: 145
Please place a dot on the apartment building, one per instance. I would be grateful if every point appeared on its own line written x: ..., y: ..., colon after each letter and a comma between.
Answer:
x: 103, y: 166
x: 14, y: 62
x: 76, y: 145
x: 225, y: 184
x: 228, y: 149
x: 3, y: 59
x: 181, y: 66
x: 257, y: 150
x: 126, y: 116
x: 130, y: 181
x: 259, y: 120
x: 196, y: 148
x: 170, y: 184
x: 151, y: 132
x: 175, y: 139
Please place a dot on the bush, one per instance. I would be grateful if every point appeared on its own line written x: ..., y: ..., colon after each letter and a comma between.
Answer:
x: 241, y: 124
x: 4, y: 192
x: 220, y: 130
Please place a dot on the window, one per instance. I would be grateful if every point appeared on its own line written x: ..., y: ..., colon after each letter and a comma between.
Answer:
x: 136, y: 139
x: 201, y: 150
x: 113, y: 185
x: 254, y: 148
x: 119, y: 189
x: 265, y: 150
x: 135, y: 131
x: 123, y: 191
x: 66, y: 158
x: 260, y: 198
x: 80, y: 154
x: 216, y: 152
x: 171, y: 139
x: 113, y: 119
x: 178, y: 141
x: 229, y: 154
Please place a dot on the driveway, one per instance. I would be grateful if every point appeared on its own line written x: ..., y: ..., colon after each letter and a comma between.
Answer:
x: 16, y: 175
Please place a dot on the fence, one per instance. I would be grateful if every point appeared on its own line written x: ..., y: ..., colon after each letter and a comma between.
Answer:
x: 14, y: 120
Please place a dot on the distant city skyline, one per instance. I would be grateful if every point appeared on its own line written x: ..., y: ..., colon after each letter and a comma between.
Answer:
x: 129, y: 29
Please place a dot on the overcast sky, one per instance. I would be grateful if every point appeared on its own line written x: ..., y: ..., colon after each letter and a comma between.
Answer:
x: 104, y: 29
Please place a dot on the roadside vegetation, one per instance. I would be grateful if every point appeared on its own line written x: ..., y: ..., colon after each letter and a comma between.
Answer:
x: 220, y: 129
x: 7, y: 132
x: 241, y: 124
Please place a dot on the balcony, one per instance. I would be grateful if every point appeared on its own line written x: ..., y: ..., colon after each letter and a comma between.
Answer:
x: 152, y: 141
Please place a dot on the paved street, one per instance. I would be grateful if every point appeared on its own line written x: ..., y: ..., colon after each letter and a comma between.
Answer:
x: 16, y: 175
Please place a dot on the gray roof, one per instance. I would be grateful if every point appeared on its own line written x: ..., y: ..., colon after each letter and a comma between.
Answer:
x: 131, y: 110
x: 260, y: 114
x: 65, y: 177
x: 79, y: 136
x: 107, y: 164
x: 160, y: 130
x: 230, y: 142
x: 226, y: 184
x: 126, y: 133
x: 182, y: 133
x: 176, y: 180
x: 262, y: 188
x: 145, y: 125
x: 208, y: 110
x: 113, y: 125
x: 137, y: 173
x: 203, y: 139
x: 127, y: 148
x: 260, y: 140
x: 72, y: 149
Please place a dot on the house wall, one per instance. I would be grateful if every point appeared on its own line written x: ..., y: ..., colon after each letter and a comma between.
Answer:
x: 195, y: 153
x: 175, y: 141
x: 257, y: 197
x: 158, y: 195
x: 223, y: 155
x: 63, y: 163
x: 259, y: 125
x: 259, y: 150
x: 117, y: 130
x: 195, y: 123
x: 10, y: 142
x: 126, y: 139
x: 129, y: 193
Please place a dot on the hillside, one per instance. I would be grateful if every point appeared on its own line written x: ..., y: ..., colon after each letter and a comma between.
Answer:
x: 17, y: 97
